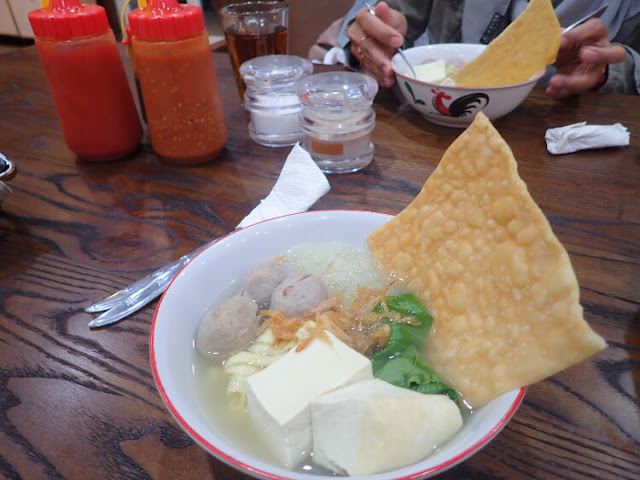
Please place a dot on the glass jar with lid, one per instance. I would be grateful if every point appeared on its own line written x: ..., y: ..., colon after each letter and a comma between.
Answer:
x: 271, y: 98
x: 337, y: 119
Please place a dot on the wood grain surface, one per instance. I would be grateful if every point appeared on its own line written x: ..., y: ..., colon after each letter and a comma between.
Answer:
x: 78, y: 403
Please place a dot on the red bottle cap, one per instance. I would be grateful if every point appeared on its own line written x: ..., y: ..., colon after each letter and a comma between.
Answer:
x: 66, y: 19
x: 166, y: 20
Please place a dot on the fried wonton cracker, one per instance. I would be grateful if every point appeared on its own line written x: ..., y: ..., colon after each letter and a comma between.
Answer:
x: 523, y: 49
x: 475, y: 247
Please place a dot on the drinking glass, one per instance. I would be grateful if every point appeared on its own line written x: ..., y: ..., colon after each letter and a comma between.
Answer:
x: 253, y: 29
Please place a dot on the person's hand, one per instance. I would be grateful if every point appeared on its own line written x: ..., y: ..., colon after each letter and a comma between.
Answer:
x: 374, y: 40
x: 585, y: 52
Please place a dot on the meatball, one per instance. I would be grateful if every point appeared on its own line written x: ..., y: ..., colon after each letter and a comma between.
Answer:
x: 230, y: 326
x: 261, y: 279
x: 298, y: 293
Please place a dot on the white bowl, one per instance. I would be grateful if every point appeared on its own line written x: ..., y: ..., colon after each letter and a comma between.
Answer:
x: 208, y: 278
x: 455, y: 106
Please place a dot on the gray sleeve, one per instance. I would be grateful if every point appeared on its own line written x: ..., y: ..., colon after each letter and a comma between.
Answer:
x: 624, y: 77
x: 417, y: 13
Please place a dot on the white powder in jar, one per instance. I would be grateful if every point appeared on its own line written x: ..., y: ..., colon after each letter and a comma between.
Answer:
x: 275, y: 114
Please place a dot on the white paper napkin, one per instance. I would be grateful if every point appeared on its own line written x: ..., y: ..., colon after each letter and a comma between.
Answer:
x: 334, y: 55
x: 580, y: 136
x: 300, y: 184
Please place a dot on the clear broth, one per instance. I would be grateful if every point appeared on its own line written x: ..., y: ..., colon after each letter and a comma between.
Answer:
x: 348, y: 268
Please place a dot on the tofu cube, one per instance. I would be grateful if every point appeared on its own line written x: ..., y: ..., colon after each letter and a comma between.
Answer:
x: 433, y: 72
x: 279, y: 396
x: 372, y: 427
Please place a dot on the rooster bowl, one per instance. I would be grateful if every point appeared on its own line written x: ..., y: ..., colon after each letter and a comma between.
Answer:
x: 449, y: 105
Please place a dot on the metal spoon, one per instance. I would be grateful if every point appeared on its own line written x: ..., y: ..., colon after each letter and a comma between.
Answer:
x: 399, y: 50
x: 595, y: 14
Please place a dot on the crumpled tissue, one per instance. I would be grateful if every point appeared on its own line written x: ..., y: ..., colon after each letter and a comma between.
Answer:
x: 580, y: 136
x: 300, y: 184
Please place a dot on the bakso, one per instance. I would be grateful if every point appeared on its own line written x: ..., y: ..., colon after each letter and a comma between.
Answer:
x: 262, y: 279
x: 228, y: 327
x: 298, y: 293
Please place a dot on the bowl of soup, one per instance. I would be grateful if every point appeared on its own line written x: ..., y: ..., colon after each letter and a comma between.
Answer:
x: 195, y: 386
x: 433, y: 95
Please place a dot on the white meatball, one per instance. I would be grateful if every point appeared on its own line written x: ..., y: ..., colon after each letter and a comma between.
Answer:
x: 298, y: 293
x: 228, y: 327
x: 261, y: 279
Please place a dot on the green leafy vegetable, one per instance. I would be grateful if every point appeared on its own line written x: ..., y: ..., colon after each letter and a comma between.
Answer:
x: 409, y: 370
x: 403, y: 335
x: 400, y: 362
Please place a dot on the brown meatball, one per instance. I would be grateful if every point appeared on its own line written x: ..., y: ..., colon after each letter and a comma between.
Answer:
x: 229, y: 327
x: 298, y: 293
x: 261, y: 279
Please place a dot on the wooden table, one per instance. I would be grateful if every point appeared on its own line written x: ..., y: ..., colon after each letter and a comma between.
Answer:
x: 81, y: 403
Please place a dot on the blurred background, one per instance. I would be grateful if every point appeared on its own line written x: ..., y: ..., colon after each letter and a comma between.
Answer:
x: 307, y: 19
x: 15, y: 30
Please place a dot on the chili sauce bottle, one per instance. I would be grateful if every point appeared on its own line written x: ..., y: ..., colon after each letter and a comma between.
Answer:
x: 177, y: 77
x: 87, y: 80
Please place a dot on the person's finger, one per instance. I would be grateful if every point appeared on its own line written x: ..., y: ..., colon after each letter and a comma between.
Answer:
x: 602, y: 55
x: 373, y: 54
x: 387, y: 76
x: 396, y: 20
x: 374, y: 60
x: 358, y: 37
x: 375, y: 27
x: 580, y: 81
x: 578, y: 45
x: 377, y: 63
x: 568, y: 49
x: 592, y: 32
x: 355, y: 32
x: 362, y: 47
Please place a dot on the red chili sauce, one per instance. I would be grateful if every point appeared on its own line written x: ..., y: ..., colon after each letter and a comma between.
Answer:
x: 181, y: 98
x: 92, y: 96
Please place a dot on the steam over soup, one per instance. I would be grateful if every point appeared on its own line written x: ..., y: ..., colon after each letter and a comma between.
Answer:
x: 343, y: 363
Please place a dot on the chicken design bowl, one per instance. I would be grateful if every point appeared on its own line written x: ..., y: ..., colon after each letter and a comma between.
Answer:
x: 208, y: 278
x: 449, y: 105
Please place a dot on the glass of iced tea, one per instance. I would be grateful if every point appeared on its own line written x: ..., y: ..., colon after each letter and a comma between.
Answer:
x: 253, y: 29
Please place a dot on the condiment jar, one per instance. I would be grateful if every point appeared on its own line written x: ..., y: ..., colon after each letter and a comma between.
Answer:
x: 177, y: 77
x: 337, y: 119
x: 87, y: 80
x: 271, y: 98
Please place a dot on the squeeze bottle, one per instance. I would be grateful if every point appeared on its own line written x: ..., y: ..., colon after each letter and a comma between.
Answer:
x: 177, y: 77
x: 87, y: 80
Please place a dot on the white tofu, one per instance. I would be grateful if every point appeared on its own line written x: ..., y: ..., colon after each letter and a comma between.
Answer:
x: 372, y: 426
x: 278, y: 397
x: 432, y: 72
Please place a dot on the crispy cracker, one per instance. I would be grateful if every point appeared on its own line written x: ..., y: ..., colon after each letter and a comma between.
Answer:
x: 475, y: 247
x: 524, y: 48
